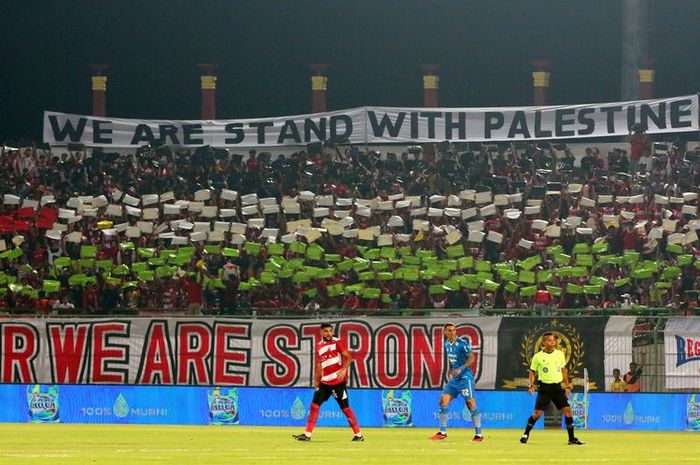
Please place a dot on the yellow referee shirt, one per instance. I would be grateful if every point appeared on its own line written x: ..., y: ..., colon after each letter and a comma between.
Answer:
x: 548, y: 366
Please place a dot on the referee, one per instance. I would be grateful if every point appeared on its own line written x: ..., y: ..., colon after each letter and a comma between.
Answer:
x: 548, y: 367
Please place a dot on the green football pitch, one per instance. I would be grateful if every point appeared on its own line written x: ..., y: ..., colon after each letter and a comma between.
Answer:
x: 139, y: 444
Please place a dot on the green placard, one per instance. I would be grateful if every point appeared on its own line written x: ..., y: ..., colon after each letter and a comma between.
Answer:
x: 335, y: 290
x: 465, y: 263
x: 229, y: 252
x: 315, y: 252
x: 674, y: 249
x: 508, y: 275
x: 544, y: 276
x: 62, y: 262
x: 436, y: 289
x: 455, y: 251
x: 600, y: 247
x: 366, y: 275
x: 139, y: 266
x: 88, y: 251
x: 388, y: 252
x: 554, y: 290
x: 371, y: 293
x: 528, y: 291
x: 572, y: 288
x: 252, y: 248
x: 526, y: 277
x: 371, y: 254
x: 482, y: 265
x: 145, y: 252
x: 581, y: 247
x: 164, y: 271
x: 592, y: 289
x: 52, y: 286
x: 297, y: 247
x: 530, y: 262
x: 554, y: 250
x: 275, y: 249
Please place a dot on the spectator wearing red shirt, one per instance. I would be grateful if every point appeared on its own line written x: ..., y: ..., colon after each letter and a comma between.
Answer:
x: 193, y: 295
x: 352, y: 301
x: 630, y: 238
x: 639, y: 146
x: 543, y: 300
x: 90, y: 302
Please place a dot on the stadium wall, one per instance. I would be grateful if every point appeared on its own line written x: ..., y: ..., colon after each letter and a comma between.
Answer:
x: 289, y: 407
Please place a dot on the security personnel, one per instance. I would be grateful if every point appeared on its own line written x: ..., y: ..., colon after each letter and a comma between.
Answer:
x: 548, y: 368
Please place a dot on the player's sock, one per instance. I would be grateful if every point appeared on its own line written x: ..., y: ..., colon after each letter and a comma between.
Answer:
x: 476, y: 419
x: 313, y: 416
x: 352, y: 421
x: 443, y: 414
x: 530, y: 424
x: 570, y: 427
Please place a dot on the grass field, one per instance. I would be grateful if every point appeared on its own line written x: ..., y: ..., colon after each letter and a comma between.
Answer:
x: 131, y: 444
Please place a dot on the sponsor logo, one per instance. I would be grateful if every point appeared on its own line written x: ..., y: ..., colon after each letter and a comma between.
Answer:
x: 577, y: 401
x: 121, y: 409
x: 693, y: 413
x: 298, y: 409
x: 569, y: 341
x: 223, y: 406
x: 687, y: 350
x: 42, y: 403
x: 397, y: 407
x: 629, y: 417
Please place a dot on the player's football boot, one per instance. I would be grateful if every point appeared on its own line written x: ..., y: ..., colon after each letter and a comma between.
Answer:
x: 358, y: 438
x: 576, y: 442
x: 301, y: 437
x: 439, y: 436
x: 524, y: 438
x: 477, y: 438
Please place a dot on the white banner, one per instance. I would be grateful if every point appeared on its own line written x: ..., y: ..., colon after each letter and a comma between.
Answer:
x: 225, y: 352
x: 384, y: 125
x: 682, y: 352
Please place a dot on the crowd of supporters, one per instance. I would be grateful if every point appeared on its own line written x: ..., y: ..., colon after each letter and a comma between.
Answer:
x: 451, y: 226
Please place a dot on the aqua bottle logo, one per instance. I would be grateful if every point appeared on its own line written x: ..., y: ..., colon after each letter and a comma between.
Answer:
x: 628, y: 417
x: 42, y: 403
x: 223, y: 406
x: 693, y: 413
x: 577, y: 401
x: 120, y: 407
x: 397, y: 408
x: 298, y: 409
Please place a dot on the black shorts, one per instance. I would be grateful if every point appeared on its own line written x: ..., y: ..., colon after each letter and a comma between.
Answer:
x: 551, y: 393
x: 338, y: 391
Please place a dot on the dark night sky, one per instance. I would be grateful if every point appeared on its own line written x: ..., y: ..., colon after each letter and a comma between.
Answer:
x: 375, y: 48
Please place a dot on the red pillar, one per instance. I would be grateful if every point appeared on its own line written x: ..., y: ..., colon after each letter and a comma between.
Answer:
x: 540, y: 82
x: 646, y: 79
x: 431, y: 84
x: 99, y: 90
x: 208, y: 80
x: 319, y: 87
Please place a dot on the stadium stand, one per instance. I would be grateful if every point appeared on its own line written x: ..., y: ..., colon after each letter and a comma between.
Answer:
x: 465, y: 226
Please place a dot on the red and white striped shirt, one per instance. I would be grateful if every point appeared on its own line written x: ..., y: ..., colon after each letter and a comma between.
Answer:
x: 330, y: 357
